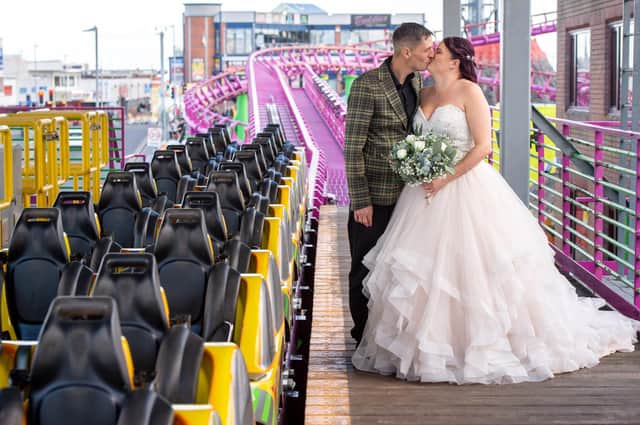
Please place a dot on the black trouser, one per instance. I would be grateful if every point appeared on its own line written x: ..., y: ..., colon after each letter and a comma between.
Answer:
x: 361, y: 240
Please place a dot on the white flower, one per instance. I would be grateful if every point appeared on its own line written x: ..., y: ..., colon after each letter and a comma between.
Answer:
x: 411, y: 138
x: 443, y: 147
x: 419, y: 145
x: 401, y: 154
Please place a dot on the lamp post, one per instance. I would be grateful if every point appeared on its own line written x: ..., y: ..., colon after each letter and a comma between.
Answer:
x: 163, y: 115
x: 95, y: 30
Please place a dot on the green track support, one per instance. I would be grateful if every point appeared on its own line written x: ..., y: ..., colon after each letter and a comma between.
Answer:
x: 242, y: 114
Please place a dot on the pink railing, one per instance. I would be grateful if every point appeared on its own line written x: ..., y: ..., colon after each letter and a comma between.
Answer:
x: 591, y: 218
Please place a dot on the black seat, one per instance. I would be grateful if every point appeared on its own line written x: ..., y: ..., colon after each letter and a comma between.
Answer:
x: 119, y: 206
x: 144, y: 181
x: 197, y: 151
x: 208, y: 142
x: 243, y: 180
x: 132, y: 280
x: 220, y: 142
x: 221, y: 301
x: 186, y: 184
x: 251, y: 227
x: 254, y: 170
x: 37, y: 257
x: 209, y: 203
x: 258, y: 149
x: 277, y: 132
x: 269, y: 188
x: 166, y: 172
x: 224, y: 129
x: 185, y: 255
x: 79, y: 222
x: 268, y: 146
x: 225, y: 184
x: 183, y: 158
x: 79, y: 373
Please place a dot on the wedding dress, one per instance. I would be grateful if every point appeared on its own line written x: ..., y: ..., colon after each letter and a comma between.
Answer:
x: 464, y: 288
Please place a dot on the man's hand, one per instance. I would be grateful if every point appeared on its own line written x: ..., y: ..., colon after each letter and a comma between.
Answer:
x: 364, y: 216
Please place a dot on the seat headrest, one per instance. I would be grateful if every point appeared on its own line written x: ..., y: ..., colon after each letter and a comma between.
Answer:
x: 183, y: 234
x: 39, y: 233
x: 81, y: 341
x: 77, y: 212
x: 225, y: 183
x: 209, y: 202
x: 133, y: 281
x: 165, y: 164
x: 120, y: 190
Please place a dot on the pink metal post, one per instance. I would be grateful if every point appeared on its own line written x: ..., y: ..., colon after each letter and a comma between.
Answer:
x: 636, y: 277
x: 540, y: 139
x: 598, y: 191
x: 566, y: 195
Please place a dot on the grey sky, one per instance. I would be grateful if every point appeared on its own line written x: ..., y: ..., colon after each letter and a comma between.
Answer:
x: 127, y: 28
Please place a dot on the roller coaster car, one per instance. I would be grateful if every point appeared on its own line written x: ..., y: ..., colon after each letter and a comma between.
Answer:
x: 38, y: 269
x: 121, y: 213
x: 182, y: 155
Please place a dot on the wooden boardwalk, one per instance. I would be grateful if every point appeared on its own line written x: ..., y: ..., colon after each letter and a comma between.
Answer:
x: 337, y: 394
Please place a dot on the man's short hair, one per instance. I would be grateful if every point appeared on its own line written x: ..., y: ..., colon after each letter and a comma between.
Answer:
x: 409, y: 34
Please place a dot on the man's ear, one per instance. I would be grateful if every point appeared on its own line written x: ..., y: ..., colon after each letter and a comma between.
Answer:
x: 406, y: 52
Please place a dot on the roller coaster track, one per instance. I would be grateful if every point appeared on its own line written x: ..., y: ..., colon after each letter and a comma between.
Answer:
x: 307, y: 118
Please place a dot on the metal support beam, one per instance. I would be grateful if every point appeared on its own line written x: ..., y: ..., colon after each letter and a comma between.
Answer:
x: 452, y: 18
x: 515, y: 93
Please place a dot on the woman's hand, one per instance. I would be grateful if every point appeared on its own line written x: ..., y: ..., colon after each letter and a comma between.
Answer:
x: 434, y: 186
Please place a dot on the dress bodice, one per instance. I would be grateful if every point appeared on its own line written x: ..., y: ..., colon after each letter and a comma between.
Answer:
x: 450, y: 120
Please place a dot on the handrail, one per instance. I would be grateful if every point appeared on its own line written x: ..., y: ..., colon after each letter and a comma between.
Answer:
x: 95, y: 145
x: 7, y: 147
x: 48, y: 171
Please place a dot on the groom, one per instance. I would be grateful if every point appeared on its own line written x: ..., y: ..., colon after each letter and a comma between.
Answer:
x: 380, y: 112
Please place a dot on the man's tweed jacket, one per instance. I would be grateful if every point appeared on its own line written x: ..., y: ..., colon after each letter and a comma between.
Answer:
x: 376, y: 120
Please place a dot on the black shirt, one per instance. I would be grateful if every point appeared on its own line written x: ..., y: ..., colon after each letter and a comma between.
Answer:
x: 406, y: 92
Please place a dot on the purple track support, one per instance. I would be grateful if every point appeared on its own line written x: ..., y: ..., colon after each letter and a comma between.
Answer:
x: 598, y: 190
x: 540, y: 140
x: 636, y: 277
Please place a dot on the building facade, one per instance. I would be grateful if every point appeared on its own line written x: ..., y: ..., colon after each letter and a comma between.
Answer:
x: 215, y: 40
x: 590, y: 40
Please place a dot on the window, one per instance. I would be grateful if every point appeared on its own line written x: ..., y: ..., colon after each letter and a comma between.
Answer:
x: 238, y: 41
x: 579, y: 68
x: 616, y: 65
x: 323, y: 36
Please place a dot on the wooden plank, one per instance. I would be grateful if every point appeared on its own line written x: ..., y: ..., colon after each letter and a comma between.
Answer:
x: 339, y: 395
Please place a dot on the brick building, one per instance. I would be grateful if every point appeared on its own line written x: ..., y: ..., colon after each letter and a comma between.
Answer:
x: 590, y: 40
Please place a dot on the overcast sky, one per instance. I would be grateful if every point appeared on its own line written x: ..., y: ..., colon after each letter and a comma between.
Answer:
x: 128, y: 36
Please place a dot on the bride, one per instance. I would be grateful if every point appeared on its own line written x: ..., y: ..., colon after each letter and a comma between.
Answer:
x: 462, y: 286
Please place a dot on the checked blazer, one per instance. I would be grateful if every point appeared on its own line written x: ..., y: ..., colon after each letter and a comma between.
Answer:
x: 376, y: 120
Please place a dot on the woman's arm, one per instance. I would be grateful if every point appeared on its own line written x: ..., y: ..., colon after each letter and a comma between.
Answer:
x: 479, y: 120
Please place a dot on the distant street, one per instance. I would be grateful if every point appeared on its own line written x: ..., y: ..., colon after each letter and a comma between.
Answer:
x: 135, y: 138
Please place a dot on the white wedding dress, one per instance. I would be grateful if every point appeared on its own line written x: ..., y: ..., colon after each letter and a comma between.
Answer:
x: 464, y: 289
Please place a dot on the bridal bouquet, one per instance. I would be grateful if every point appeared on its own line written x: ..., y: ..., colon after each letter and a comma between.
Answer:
x: 422, y: 158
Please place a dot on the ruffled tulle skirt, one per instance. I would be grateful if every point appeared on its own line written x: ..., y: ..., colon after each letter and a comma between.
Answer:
x: 464, y: 290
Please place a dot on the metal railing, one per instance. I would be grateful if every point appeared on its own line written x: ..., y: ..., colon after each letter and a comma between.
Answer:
x: 581, y: 201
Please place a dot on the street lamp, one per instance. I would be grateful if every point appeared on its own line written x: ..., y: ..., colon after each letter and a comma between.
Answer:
x: 95, y: 29
x: 163, y: 116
